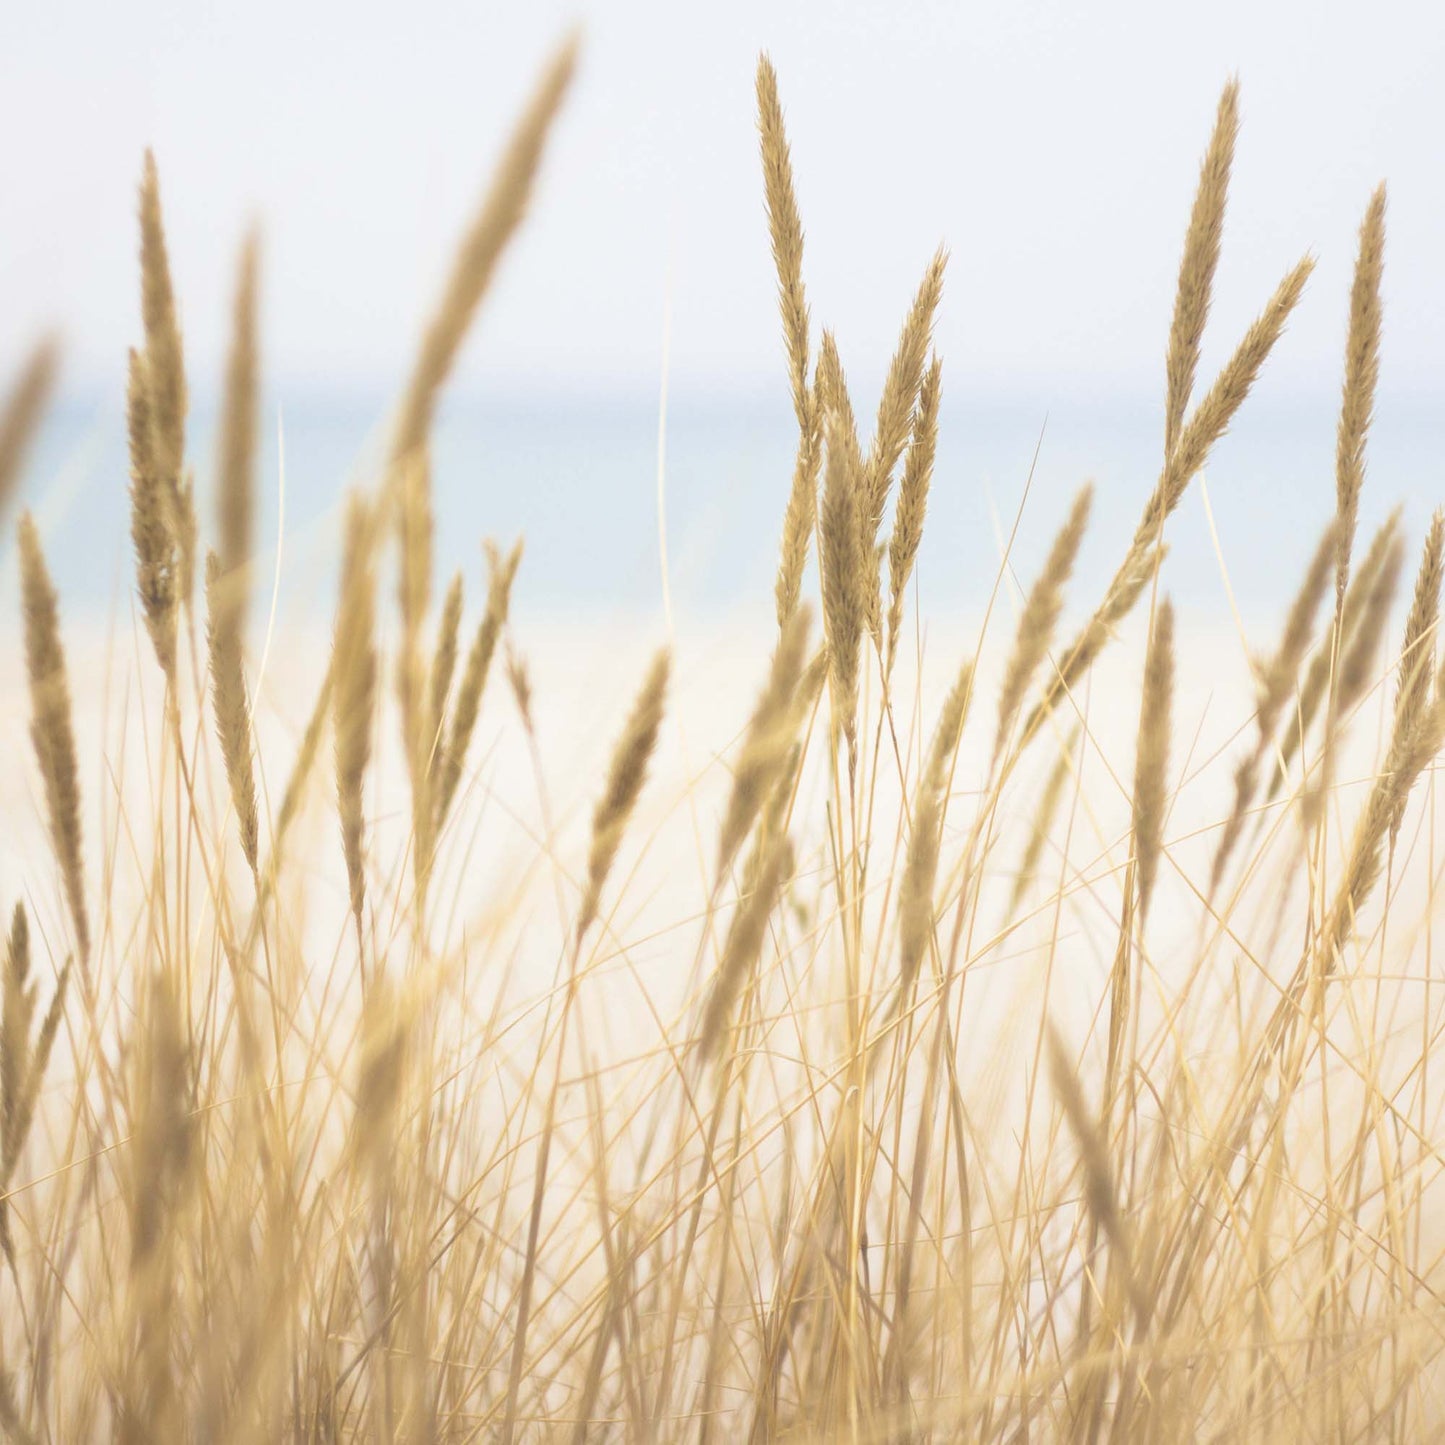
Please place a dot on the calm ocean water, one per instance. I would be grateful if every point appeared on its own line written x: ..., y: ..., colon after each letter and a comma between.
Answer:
x: 578, y: 477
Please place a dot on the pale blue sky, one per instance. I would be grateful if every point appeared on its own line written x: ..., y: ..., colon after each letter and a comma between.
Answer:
x: 1053, y: 146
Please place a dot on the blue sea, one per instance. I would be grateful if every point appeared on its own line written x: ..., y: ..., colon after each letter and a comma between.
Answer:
x: 578, y: 476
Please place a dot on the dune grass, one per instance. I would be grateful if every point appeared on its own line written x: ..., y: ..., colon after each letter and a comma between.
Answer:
x: 1004, y: 1080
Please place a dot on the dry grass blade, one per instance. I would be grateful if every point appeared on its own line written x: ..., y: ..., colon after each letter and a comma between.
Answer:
x: 444, y: 661
x: 1362, y: 372
x: 1152, y: 755
x: 354, y: 667
x: 20, y: 416
x: 1041, y: 614
x: 912, y: 508
x: 501, y: 213
x: 1417, y: 649
x: 625, y: 777
x: 240, y: 417
x: 51, y: 730
x: 1201, y: 258
x: 228, y: 699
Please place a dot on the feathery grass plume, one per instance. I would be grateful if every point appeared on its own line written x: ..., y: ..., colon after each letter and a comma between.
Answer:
x: 1327, y: 659
x: 785, y: 230
x: 354, y: 666
x: 240, y: 415
x: 1211, y: 418
x: 1417, y: 648
x: 1277, y: 680
x: 228, y: 698
x: 800, y: 517
x: 900, y: 392
x: 1362, y: 372
x: 501, y: 213
x: 768, y: 739
x: 150, y: 523
x: 1152, y: 754
x: 769, y: 869
x: 1043, y: 821
x: 50, y: 724
x: 915, y: 896
x: 625, y: 777
x: 444, y: 660
x: 165, y: 372
x: 912, y: 508
x: 832, y: 389
x: 503, y: 571
x: 21, y: 413
x: 844, y: 572
x: 1041, y: 613
x: 1196, y: 269
x: 1357, y: 662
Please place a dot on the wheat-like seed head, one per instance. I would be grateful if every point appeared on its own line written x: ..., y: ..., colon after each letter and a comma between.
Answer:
x: 912, y: 508
x: 240, y: 415
x: 1362, y: 372
x: 625, y: 777
x: 1196, y: 269
x: 228, y: 698
x: 51, y: 730
x: 21, y: 413
x: 1152, y: 753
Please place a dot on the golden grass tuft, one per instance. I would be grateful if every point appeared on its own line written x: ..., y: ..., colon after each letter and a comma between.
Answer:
x: 991, y: 1089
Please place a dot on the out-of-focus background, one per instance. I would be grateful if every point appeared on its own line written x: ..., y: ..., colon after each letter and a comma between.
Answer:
x: 1052, y: 146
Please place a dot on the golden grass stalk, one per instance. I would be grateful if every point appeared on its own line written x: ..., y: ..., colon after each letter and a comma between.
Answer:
x: 785, y: 229
x: 1327, y: 659
x: 418, y: 730
x: 444, y: 661
x: 21, y: 413
x: 1100, y: 1191
x: 1041, y: 614
x: 768, y: 739
x: 844, y: 570
x: 354, y: 667
x: 228, y: 700
x: 165, y: 370
x: 468, y: 705
x: 1042, y: 822
x: 500, y: 215
x: 51, y: 730
x: 1278, y: 680
x: 768, y: 870
x: 1211, y: 418
x: 1152, y: 754
x: 920, y: 869
x: 1417, y: 648
x: 1362, y: 372
x: 301, y: 768
x: 240, y: 416
x: 1200, y: 260
x: 800, y: 518
x: 900, y: 393
x: 912, y: 508
x: 150, y: 522
x: 23, y: 1061
x: 1357, y: 661
x: 625, y: 776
